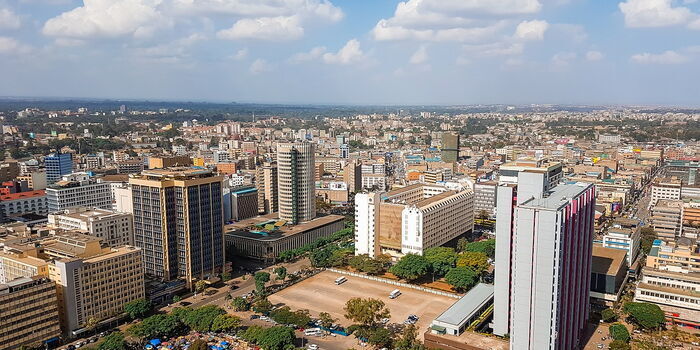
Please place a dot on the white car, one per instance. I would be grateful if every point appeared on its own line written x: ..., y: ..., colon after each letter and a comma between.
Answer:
x: 313, y: 347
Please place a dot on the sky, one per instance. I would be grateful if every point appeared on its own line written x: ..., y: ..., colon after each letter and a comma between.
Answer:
x: 599, y: 52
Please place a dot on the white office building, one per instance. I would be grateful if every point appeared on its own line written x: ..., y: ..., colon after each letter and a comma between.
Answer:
x: 114, y: 228
x: 78, y: 190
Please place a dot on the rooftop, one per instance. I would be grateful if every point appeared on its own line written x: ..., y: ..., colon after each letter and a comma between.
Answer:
x: 460, y: 311
x: 269, y: 227
x: 562, y: 195
x: 607, y: 261
x: 438, y: 197
x: 22, y: 195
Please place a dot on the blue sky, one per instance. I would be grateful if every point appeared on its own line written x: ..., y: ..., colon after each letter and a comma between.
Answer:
x: 643, y: 52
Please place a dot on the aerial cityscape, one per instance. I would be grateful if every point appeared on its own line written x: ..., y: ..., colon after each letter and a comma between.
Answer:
x: 456, y: 175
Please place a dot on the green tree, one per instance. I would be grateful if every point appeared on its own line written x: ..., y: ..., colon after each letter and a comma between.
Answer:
x: 114, y: 341
x: 409, y: 339
x: 199, y: 344
x: 281, y: 272
x: 618, y: 331
x: 240, y: 304
x: 176, y: 299
x: 608, y: 315
x: 441, y: 259
x: 462, y: 244
x: 646, y: 315
x: 462, y: 278
x: 380, y: 337
x: 477, y: 261
x: 648, y: 235
x: 262, y: 306
x: 137, y: 308
x: 367, y: 312
x: 277, y: 338
x: 200, y: 319
x: 200, y: 286
x: 326, y: 319
x: 322, y: 257
x: 619, y: 345
x: 487, y: 247
x: 226, y: 276
x: 225, y: 322
x: 411, y: 267
x: 366, y: 264
x: 155, y: 326
x: 261, y: 278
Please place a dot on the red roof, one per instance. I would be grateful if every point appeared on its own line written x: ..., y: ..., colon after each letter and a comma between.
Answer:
x: 22, y: 195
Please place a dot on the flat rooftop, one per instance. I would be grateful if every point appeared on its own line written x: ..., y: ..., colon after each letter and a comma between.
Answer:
x: 249, y: 228
x: 175, y: 172
x: 561, y: 195
x: 438, y: 197
x: 465, y: 307
x: 607, y: 261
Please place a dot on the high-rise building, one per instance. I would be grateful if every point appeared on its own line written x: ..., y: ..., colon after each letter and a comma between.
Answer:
x: 29, y: 313
x: 266, y: 183
x: 178, y: 222
x: 544, y: 241
x: 78, y: 190
x: 450, y: 147
x: 352, y: 176
x: 57, y: 165
x: 552, y: 171
x: 295, y: 181
x: 114, y: 228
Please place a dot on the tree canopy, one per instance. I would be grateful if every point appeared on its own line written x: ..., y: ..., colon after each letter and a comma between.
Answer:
x: 366, y: 312
x: 441, y: 259
x: 411, y: 267
x: 137, y: 308
x: 646, y: 315
x: 462, y: 278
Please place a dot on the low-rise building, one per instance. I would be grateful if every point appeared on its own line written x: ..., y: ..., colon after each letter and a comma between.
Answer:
x: 114, y: 228
x: 608, y: 274
x: 265, y: 237
x: 624, y: 234
x: 667, y: 219
x: 23, y: 203
x: 676, y: 293
x: 665, y: 188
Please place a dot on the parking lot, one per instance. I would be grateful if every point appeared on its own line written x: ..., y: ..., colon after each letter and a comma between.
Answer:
x: 320, y: 294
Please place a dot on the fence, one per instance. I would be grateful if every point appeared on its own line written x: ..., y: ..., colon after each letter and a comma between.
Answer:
x: 397, y: 283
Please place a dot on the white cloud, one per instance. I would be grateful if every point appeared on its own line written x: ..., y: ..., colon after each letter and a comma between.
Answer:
x: 322, y: 9
x: 563, y: 59
x: 420, y: 56
x: 253, y: 19
x: 240, y: 54
x: 494, y: 49
x: 452, y: 20
x: 11, y: 46
x: 654, y: 13
x: 531, y: 30
x: 594, y: 56
x: 314, y: 54
x: 264, y: 28
x: 108, y: 18
x: 666, y: 57
x: 9, y: 19
x: 260, y: 66
x: 348, y: 54
x: 171, y: 52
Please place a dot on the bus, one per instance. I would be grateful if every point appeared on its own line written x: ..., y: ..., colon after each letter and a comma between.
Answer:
x: 394, y: 294
x: 340, y: 280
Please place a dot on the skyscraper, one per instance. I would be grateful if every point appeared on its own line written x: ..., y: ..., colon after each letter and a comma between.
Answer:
x: 295, y: 180
x: 543, y: 262
x: 178, y: 222
x: 450, y: 147
x: 266, y: 183
x: 57, y: 165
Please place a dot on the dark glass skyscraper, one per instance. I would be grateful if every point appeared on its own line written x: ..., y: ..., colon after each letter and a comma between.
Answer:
x: 57, y: 165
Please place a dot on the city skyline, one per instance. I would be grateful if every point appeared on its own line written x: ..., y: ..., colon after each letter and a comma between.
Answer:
x: 344, y: 52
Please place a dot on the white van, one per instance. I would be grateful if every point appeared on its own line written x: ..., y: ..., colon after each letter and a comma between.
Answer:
x: 394, y: 294
x: 312, y: 331
x: 340, y: 280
